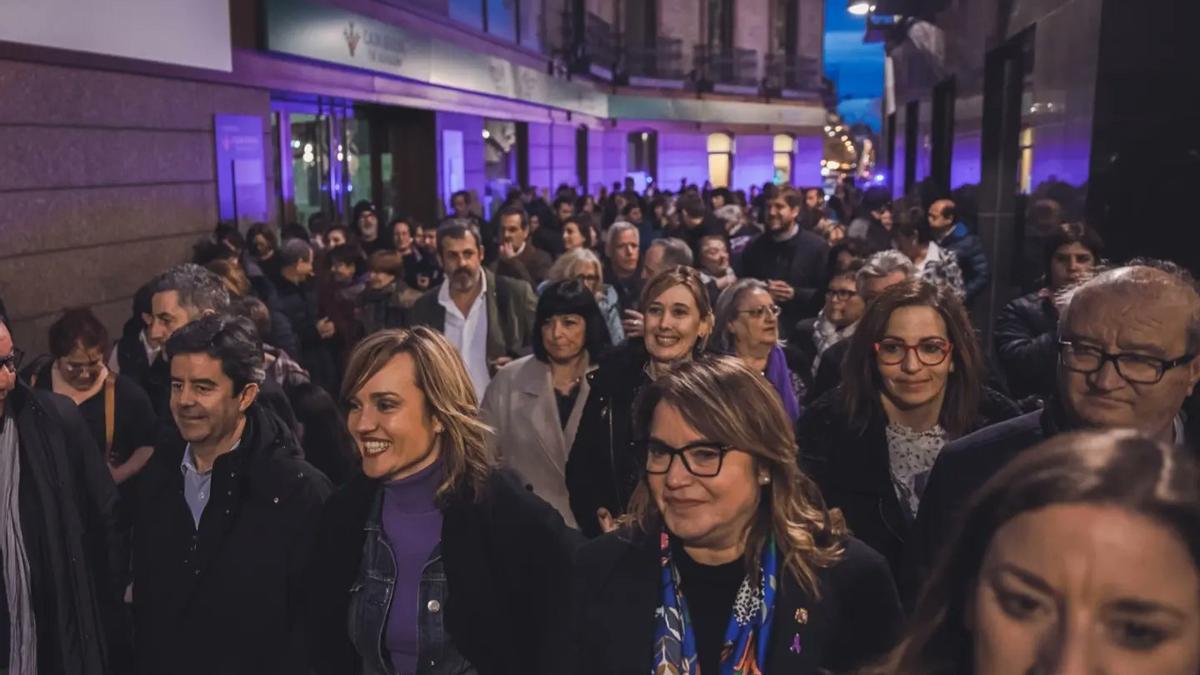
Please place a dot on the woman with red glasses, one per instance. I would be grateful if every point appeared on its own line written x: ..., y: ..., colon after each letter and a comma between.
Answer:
x: 912, y: 380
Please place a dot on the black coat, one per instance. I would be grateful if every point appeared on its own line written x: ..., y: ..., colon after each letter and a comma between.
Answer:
x: 829, y: 372
x: 617, y: 591
x: 76, y: 562
x: 1026, y: 340
x: 603, y: 466
x: 298, y: 304
x: 507, y: 561
x: 226, y: 598
x: 800, y: 261
x: 851, y: 463
x: 153, y: 378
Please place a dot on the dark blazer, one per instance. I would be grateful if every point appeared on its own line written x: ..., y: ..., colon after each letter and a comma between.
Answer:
x: 511, y: 310
x: 507, y: 560
x: 531, y: 265
x: 76, y: 561
x: 1026, y: 340
x: 852, y: 465
x: 602, y: 468
x: 617, y: 579
x: 232, y: 584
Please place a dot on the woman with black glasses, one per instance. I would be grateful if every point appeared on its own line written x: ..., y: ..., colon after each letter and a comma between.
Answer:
x: 912, y: 380
x: 729, y: 561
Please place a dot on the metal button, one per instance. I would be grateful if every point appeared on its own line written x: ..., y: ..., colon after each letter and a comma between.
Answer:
x: 434, y: 606
x: 276, y: 500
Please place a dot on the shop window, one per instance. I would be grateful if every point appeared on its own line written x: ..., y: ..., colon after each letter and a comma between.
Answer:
x: 1026, y: 176
x: 310, y: 165
x: 785, y: 148
x: 354, y: 154
x: 502, y: 18
x: 720, y: 159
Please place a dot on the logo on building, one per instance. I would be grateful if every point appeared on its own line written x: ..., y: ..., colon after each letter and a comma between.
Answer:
x: 352, y: 38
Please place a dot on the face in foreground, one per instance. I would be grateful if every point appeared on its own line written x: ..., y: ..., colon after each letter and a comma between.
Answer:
x: 391, y: 423
x: 711, y: 513
x: 913, y: 382
x: 205, y: 406
x: 564, y: 336
x: 461, y: 258
x: 1084, y: 588
x: 674, y: 324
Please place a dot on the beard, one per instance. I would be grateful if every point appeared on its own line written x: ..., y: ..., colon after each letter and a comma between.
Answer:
x: 463, y: 280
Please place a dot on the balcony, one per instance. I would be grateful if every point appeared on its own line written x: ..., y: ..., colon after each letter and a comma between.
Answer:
x: 730, y: 70
x: 661, y: 62
x: 791, y: 75
x: 595, y: 44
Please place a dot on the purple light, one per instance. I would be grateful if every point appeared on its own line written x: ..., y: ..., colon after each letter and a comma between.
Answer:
x: 879, y: 178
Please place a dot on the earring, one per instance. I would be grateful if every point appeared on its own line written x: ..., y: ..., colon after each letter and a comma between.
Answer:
x: 764, y: 480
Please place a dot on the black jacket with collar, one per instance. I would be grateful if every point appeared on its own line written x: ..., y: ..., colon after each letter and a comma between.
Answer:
x: 851, y: 463
x: 602, y: 467
x: 960, y: 470
x: 76, y: 561
x: 617, y: 591
x: 226, y: 597
x: 507, y: 560
x: 1026, y: 341
x: 511, y: 309
x: 800, y: 261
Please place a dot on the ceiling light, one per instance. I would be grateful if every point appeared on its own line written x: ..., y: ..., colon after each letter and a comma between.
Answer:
x: 859, y: 7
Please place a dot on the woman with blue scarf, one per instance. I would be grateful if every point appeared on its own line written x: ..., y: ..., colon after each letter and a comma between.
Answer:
x: 727, y: 562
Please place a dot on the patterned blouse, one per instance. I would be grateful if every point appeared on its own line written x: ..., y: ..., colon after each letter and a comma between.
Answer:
x: 940, y: 268
x: 912, y: 454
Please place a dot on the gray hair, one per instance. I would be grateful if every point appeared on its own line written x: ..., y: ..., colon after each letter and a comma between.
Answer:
x: 293, y: 251
x: 675, y: 252
x: 614, y: 231
x: 1148, y: 278
x: 567, y: 262
x: 199, y: 289
x: 726, y: 311
x: 881, y: 265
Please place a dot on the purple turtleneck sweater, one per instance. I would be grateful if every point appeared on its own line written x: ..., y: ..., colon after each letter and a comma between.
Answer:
x: 413, y: 526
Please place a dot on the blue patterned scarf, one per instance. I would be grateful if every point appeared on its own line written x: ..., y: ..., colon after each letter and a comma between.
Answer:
x: 747, y: 637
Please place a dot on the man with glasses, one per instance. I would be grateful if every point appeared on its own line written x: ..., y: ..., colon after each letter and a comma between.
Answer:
x: 1128, y: 340
x: 837, y: 319
x: 61, y: 563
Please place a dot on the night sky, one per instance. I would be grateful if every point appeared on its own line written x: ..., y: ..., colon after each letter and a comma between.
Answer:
x: 855, y: 68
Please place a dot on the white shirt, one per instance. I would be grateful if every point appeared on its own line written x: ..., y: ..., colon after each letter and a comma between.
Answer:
x: 468, y: 333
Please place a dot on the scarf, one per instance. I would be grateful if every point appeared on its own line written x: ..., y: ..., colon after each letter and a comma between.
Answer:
x: 22, y: 658
x: 825, y: 335
x: 747, y: 637
x: 780, y: 377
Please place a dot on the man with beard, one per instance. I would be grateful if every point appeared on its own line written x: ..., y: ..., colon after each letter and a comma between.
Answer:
x: 790, y: 259
x: 488, y: 318
x: 366, y: 225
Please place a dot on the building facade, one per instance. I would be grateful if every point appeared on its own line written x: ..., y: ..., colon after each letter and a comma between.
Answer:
x: 131, y: 131
x: 1034, y: 112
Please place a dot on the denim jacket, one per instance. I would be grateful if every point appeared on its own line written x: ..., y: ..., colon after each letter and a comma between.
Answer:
x: 371, y: 598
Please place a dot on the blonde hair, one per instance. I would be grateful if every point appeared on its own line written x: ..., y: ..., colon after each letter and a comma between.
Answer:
x: 449, y: 399
x: 727, y: 402
x: 565, y: 266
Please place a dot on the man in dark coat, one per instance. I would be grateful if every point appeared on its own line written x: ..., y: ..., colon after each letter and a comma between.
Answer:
x: 1103, y: 382
x: 967, y: 247
x: 227, y: 520
x: 790, y: 259
x: 138, y: 357
x: 66, y: 561
x: 297, y: 301
x: 506, y: 306
x: 519, y: 258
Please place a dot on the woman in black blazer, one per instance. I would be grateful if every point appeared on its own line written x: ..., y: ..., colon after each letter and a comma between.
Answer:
x: 727, y: 558
x: 912, y: 381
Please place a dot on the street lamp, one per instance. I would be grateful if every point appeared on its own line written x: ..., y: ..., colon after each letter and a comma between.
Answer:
x: 860, y: 7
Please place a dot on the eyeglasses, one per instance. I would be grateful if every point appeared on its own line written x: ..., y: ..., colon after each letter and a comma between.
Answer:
x: 13, y: 361
x: 842, y: 295
x: 930, y: 352
x: 702, y: 459
x: 1135, y: 368
x: 587, y: 278
x: 760, y: 312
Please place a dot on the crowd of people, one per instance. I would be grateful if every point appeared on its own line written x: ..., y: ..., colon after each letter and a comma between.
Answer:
x: 702, y: 432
